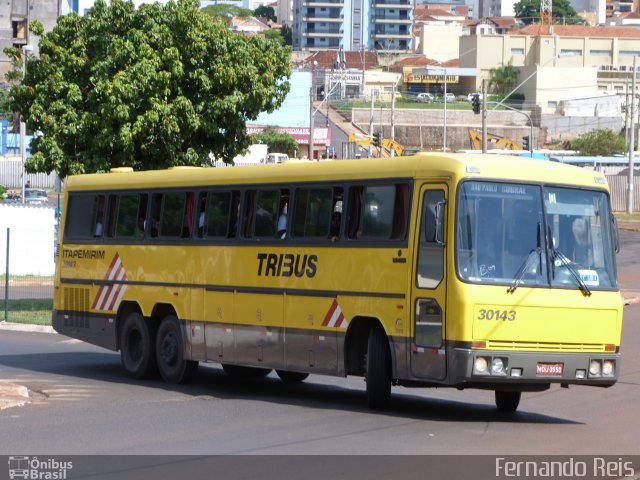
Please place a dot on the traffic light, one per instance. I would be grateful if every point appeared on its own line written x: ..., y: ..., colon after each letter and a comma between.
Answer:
x: 475, y: 103
x: 376, y: 139
x: 525, y: 142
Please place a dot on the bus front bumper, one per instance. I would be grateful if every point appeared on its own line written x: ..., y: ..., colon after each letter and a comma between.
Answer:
x: 506, y: 370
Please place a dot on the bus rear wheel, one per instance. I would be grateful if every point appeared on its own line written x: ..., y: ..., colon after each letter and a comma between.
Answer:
x: 507, y: 401
x: 170, y: 352
x: 378, y: 370
x: 137, y: 346
x: 240, y: 371
x: 291, y: 377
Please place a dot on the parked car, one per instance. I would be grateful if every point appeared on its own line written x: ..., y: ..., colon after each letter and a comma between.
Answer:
x: 470, y: 96
x: 450, y: 97
x: 36, y: 196
x: 425, y: 97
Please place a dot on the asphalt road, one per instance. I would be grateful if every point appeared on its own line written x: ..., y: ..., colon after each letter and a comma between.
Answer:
x: 80, y: 394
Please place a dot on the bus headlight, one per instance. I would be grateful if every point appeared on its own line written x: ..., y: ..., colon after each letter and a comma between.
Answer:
x: 480, y: 366
x: 595, y: 368
x: 497, y: 366
x: 608, y: 368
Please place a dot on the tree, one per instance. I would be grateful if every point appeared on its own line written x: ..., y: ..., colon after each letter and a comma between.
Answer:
x: 276, y: 141
x: 225, y: 10
x: 503, y: 78
x: 599, y: 142
x: 275, y: 35
x: 287, y: 34
x: 147, y: 88
x: 528, y: 12
x: 266, y: 12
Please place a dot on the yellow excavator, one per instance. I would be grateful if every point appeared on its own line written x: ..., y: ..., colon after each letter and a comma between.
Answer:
x: 388, y: 145
x: 493, y: 140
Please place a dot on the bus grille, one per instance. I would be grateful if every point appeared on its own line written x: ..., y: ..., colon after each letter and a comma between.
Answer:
x: 76, y: 306
x: 545, y: 346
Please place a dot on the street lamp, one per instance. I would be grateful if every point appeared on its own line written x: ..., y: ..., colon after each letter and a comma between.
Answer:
x: 26, y: 49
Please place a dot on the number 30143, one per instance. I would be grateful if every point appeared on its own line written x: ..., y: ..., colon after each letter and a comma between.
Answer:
x: 496, y: 314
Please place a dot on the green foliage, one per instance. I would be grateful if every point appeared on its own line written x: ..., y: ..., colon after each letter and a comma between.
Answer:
x: 147, y: 88
x: 274, y: 35
x: 599, y: 142
x: 287, y: 34
x: 266, y: 12
x: 226, y: 11
x: 276, y: 141
x: 528, y: 11
x: 503, y: 78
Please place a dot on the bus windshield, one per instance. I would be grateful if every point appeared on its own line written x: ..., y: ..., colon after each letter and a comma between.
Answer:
x: 518, y: 234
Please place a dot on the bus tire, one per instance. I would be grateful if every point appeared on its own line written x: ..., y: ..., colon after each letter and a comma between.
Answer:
x: 291, y: 377
x: 137, y: 346
x: 170, y: 352
x: 240, y: 371
x: 507, y: 401
x: 378, y: 370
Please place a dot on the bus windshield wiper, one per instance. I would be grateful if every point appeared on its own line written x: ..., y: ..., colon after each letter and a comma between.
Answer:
x: 517, y: 279
x: 566, y: 262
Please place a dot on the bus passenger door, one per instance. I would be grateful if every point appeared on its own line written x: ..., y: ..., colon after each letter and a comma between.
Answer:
x: 427, y: 352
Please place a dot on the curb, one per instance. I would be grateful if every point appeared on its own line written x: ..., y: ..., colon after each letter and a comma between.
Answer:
x: 13, y: 395
x: 26, y: 327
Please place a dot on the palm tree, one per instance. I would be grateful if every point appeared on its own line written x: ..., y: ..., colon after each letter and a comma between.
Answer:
x: 503, y: 78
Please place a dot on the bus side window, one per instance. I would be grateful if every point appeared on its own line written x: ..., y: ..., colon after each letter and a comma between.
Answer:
x: 354, y: 212
x: 173, y: 214
x: 234, y: 214
x: 431, y: 251
x: 98, y: 215
x: 312, y: 213
x: 187, y: 217
x: 142, y: 215
x: 156, y: 208
x: 127, y: 221
x: 400, y: 212
x: 112, y: 215
x: 216, y: 219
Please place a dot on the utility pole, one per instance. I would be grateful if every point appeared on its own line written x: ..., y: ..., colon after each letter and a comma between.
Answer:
x: 393, y: 111
x: 373, y: 97
x: 631, y: 141
x: 484, y: 116
x: 311, y: 126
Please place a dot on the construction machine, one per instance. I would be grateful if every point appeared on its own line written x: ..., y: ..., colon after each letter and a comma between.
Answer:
x: 493, y: 140
x: 387, y: 145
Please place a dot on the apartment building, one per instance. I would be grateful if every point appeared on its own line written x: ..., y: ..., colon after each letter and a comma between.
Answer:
x: 571, y: 62
x: 353, y: 25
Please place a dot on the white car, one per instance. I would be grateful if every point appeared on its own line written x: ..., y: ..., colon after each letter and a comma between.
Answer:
x: 425, y: 97
x: 449, y: 97
x: 35, y: 196
x: 470, y: 96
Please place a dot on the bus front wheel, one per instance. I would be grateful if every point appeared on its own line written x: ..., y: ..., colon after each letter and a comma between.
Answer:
x: 507, y: 401
x: 137, y: 346
x: 378, y: 370
x: 170, y: 352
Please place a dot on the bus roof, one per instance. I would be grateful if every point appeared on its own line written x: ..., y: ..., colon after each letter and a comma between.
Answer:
x: 421, y: 165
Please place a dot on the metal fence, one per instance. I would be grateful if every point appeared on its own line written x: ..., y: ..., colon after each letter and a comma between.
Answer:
x: 11, y: 175
x: 619, y: 184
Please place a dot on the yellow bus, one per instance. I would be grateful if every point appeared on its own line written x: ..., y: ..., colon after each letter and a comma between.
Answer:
x: 435, y: 270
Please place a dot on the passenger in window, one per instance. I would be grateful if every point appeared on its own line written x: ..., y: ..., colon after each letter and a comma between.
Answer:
x: 334, y: 226
x: 281, y: 232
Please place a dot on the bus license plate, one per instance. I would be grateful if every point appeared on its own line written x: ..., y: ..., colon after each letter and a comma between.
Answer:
x: 549, y: 368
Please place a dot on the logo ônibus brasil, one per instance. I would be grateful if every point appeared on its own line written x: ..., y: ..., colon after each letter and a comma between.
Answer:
x: 38, y: 469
